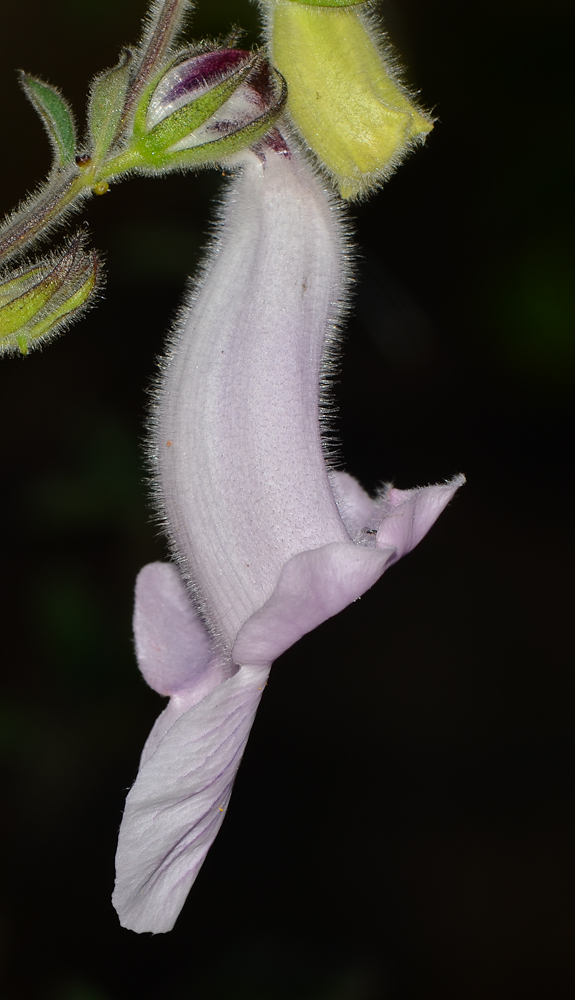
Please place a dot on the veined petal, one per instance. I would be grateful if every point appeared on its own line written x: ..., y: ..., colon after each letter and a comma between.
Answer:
x: 178, y: 803
x: 237, y: 436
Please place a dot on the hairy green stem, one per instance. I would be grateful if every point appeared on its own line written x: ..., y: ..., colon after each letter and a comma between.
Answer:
x: 39, y: 213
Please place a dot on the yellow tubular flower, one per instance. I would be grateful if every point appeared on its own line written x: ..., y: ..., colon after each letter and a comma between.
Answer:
x: 343, y: 96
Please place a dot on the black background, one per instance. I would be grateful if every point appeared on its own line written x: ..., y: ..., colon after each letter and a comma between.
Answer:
x: 401, y: 827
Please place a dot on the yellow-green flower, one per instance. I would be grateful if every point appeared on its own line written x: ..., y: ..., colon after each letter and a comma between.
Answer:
x: 343, y: 93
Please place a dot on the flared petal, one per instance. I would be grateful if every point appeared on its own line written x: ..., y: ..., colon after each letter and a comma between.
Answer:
x: 178, y: 803
x: 172, y: 644
x: 174, y: 650
x: 312, y: 587
x: 412, y: 515
x: 360, y: 513
x: 317, y: 584
x: 396, y: 518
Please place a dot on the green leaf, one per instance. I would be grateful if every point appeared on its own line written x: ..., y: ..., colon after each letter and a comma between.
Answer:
x: 56, y: 116
x: 108, y: 93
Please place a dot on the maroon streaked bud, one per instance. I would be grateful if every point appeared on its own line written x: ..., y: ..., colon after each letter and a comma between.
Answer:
x: 207, y: 107
x: 192, y: 79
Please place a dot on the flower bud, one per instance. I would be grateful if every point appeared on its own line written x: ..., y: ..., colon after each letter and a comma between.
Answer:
x: 206, y: 108
x: 36, y: 303
x: 344, y: 95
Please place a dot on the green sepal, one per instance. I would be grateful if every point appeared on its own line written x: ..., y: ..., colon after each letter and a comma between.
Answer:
x: 185, y: 120
x: 25, y: 305
x: 68, y: 308
x: 139, y: 127
x: 13, y: 288
x: 56, y: 116
x: 37, y: 302
x: 107, y: 96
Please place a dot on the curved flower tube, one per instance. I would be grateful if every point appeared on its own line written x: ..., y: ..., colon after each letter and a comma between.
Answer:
x: 269, y: 540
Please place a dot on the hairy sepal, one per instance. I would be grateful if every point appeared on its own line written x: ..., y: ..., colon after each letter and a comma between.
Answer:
x: 38, y: 302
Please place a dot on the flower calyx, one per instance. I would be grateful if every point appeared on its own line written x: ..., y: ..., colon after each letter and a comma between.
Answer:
x: 204, y: 108
x: 37, y: 302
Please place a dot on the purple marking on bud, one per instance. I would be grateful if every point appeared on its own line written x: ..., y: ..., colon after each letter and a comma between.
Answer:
x: 252, y: 99
x: 274, y: 141
x: 192, y: 78
x: 205, y: 71
x: 261, y: 82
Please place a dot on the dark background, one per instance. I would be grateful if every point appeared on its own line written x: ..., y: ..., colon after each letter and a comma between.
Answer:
x: 402, y: 825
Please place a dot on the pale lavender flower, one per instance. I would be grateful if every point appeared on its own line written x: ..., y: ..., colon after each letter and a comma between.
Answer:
x: 269, y: 540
